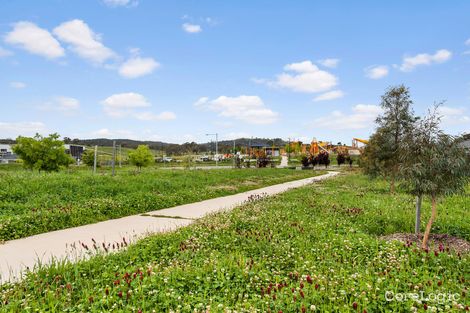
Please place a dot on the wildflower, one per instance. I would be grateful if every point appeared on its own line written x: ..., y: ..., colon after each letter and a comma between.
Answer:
x: 120, y: 294
x: 301, y: 285
x: 425, y: 306
x: 303, y: 309
x: 317, y: 286
x: 354, y: 305
x: 302, y: 294
x: 439, y: 283
x: 309, y: 279
x: 106, y: 291
x: 313, y: 308
x: 90, y: 299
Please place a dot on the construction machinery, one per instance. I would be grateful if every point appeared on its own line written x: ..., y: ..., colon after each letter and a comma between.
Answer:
x: 317, y: 146
x: 356, y: 141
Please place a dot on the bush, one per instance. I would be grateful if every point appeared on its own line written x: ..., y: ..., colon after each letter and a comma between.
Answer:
x: 341, y: 158
x: 305, y: 161
x: 42, y: 153
x: 141, y: 156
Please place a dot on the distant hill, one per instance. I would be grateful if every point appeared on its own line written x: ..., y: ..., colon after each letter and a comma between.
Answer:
x: 173, y: 148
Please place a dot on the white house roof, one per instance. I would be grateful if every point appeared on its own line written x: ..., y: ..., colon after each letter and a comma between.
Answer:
x: 7, y: 147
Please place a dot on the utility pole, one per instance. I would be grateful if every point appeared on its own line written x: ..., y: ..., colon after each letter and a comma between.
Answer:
x: 288, y: 152
x: 249, y: 147
x: 234, y: 153
x: 114, y: 157
x: 94, y: 160
x: 120, y: 155
x: 216, y: 147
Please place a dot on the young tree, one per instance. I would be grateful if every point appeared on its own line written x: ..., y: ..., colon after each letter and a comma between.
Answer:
x: 434, y: 164
x: 88, y: 157
x: 42, y: 153
x: 141, y: 157
x: 341, y: 158
x: 384, y: 149
x: 375, y: 159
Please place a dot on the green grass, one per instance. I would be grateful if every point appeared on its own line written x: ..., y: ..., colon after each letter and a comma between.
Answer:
x: 32, y: 203
x: 301, y: 249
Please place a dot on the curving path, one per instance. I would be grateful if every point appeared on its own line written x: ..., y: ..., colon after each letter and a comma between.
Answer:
x: 78, y: 242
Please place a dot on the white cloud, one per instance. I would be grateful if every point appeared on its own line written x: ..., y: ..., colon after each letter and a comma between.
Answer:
x: 235, y: 135
x: 107, y: 133
x: 249, y: 109
x: 467, y: 42
x: 376, y: 72
x: 303, y: 77
x: 120, y: 3
x: 330, y: 95
x: 128, y: 104
x: 301, y: 67
x: 362, y: 116
x: 122, y: 104
x: 330, y: 62
x: 17, y: 85
x: 65, y: 105
x: 35, y: 40
x: 453, y: 116
x: 14, y: 129
x: 83, y: 41
x: 5, y: 53
x: 409, y: 63
x: 201, y: 101
x: 137, y: 66
x: 149, y: 116
x: 191, y: 28
x: 103, y: 132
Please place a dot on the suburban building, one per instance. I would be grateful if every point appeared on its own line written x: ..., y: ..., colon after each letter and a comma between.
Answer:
x: 6, y: 154
x: 75, y: 151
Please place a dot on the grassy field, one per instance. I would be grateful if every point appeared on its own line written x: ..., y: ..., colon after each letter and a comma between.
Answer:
x: 32, y: 203
x: 313, y: 249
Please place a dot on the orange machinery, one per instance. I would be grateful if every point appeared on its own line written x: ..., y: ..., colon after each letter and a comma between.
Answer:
x: 317, y: 146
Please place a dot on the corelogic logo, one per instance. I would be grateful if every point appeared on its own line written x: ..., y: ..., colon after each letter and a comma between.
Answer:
x: 440, y: 298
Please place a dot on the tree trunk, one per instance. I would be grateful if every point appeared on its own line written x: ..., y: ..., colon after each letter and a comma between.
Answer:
x: 431, y: 220
x: 419, y: 199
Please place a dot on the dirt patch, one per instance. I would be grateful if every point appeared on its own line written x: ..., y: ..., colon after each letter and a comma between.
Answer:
x: 224, y: 188
x: 440, y: 242
x: 353, y: 211
x: 249, y: 183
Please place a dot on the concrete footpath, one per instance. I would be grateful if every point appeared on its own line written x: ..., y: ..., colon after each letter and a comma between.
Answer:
x: 78, y: 242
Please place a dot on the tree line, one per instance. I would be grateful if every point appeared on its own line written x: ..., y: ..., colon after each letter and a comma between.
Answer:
x: 224, y: 146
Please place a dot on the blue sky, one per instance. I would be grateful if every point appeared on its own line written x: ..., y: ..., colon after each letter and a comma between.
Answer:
x: 176, y: 70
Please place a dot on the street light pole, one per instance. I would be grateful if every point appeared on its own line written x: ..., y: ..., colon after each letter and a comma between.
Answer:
x: 216, y: 147
x: 114, y: 156
x: 288, y: 152
x: 233, y: 154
